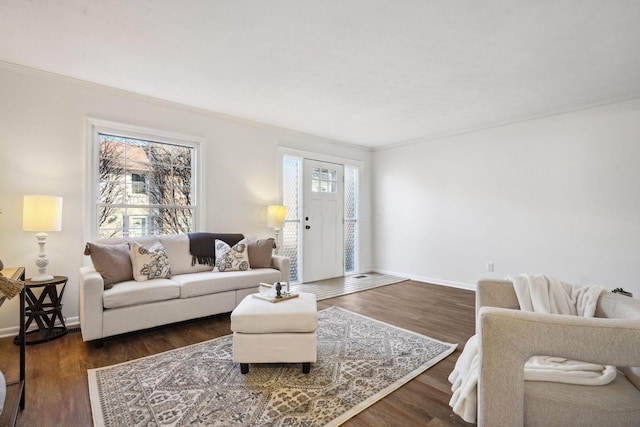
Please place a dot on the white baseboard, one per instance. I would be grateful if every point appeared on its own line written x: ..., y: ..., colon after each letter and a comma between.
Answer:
x: 12, y: 331
x: 435, y: 281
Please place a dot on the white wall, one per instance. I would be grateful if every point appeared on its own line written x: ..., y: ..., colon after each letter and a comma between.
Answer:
x: 558, y: 196
x: 42, y: 151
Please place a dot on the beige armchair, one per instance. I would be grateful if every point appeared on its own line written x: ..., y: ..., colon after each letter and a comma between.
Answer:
x: 510, y: 336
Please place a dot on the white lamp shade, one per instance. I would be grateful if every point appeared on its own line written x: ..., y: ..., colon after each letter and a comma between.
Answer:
x: 275, y: 216
x: 42, y: 213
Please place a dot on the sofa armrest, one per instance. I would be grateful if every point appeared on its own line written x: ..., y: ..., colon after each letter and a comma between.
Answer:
x: 510, y: 337
x: 281, y: 263
x: 91, y: 287
x: 495, y: 293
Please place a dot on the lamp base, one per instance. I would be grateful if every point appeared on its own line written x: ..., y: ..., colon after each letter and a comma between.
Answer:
x: 42, y: 261
x: 41, y: 278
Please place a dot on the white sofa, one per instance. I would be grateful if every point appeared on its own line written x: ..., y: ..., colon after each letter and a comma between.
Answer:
x: 192, y: 291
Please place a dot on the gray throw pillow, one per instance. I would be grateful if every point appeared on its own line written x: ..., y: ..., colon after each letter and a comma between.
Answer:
x: 260, y: 252
x: 111, y: 261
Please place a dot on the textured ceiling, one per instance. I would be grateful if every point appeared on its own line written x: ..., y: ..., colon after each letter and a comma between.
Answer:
x: 368, y: 72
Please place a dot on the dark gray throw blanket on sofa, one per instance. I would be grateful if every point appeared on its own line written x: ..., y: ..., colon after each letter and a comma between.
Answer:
x: 202, y: 246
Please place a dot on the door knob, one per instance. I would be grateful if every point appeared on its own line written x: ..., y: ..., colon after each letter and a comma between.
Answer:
x: 307, y: 227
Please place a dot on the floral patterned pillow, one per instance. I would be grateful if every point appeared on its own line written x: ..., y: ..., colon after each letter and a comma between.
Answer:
x: 149, y: 263
x: 231, y: 258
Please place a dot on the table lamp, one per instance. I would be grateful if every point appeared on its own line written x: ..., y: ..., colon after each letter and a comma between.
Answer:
x: 41, y: 214
x: 275, y: 219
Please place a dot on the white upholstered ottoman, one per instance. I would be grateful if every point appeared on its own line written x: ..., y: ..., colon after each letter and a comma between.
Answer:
x: 281, y: 332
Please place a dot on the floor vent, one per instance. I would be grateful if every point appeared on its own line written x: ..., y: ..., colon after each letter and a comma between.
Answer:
x: 361, y: 276
x: 73, y: 330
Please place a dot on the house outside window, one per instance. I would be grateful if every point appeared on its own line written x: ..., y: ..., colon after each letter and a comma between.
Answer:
x: 138, y: 183
x: 145, y: 185
x: 137, y: 225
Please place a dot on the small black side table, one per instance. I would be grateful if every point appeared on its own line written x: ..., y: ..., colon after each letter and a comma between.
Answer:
x: 44, y: 312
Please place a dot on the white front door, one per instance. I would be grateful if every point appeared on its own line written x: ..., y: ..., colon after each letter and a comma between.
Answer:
x: 323, y: 220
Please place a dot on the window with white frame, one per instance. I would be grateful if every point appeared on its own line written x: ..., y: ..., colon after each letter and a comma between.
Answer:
x: 144, y: 184
x: 323, y: 180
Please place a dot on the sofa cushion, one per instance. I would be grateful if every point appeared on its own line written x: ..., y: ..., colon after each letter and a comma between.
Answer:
x: 557, y: 404
x: 132, y: 293
x: 111, y: 261
x: 149, y: 262
x: 196, y: 284
x: 180, y: 259
x: 231, y: 258
x: 260, y: 252
x: 143, y: 240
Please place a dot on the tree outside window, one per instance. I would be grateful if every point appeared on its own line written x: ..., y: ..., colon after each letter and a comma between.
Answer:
x: 145, y: 187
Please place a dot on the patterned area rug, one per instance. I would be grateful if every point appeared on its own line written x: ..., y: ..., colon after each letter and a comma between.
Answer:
x: 330, y: 288
x: 360, y: 360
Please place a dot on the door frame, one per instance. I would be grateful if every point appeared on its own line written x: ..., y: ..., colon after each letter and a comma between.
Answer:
x: 302, y: 154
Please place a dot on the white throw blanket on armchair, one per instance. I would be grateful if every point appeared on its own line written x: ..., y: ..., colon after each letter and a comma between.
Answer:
x: 540, y: 294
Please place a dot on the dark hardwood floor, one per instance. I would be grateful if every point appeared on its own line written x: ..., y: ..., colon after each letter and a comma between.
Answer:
x: 57, y: 391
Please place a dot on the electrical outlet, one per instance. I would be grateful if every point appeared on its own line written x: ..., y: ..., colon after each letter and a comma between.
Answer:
x: 490, y: 266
